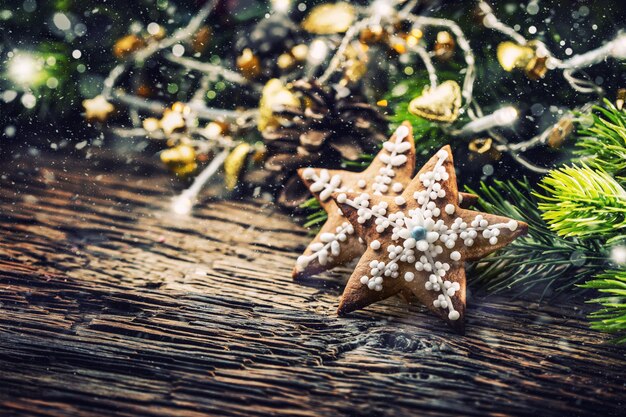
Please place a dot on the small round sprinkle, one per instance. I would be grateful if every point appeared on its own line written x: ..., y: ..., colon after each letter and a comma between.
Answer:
x: 362, y: 183
x: 399, y: 200
x: 397, y: 187
x: 409, y: 276
x: 455, y: 256
x: 454, y: 315
x: 449, y: 208
x: 375, y: 245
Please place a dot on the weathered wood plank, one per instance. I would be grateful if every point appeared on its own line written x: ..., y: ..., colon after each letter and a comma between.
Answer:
x: 110, y: 304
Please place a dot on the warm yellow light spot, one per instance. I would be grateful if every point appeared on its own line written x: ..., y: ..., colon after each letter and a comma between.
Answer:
x: 511, y: 55
x: 24, y: 69
x: 97, y: 108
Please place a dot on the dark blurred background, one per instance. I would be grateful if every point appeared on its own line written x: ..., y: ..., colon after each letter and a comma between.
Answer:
x: 56, y: 53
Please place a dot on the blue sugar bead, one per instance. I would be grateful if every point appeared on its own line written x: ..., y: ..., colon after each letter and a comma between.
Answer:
x: 418, y: 232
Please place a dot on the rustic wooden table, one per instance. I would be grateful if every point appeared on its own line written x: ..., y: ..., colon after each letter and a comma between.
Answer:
x: 111, y: 305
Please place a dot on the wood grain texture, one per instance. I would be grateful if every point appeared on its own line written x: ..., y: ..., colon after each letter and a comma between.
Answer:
x: 110, y: 305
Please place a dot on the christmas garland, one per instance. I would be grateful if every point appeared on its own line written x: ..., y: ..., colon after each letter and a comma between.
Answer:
x: 322, y: 85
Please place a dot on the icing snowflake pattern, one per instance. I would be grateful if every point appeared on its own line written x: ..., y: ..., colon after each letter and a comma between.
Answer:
x: 419, y: 236
x: 325, y: 185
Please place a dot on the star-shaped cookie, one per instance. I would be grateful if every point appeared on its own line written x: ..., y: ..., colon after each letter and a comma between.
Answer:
x: 418, y: 242
x: 388, y: 174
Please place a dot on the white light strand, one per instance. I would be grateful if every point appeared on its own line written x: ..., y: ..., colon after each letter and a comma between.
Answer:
x: 184, y: 202
x: 428, y: 63
x: 501, y: 117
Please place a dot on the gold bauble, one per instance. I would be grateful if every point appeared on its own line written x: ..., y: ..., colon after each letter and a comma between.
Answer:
x: 484, y: 146
x: 201, y: 39
x: 97, y: 108
x: 372, y: 34
x: 512, y: 55
x: 274, y: 96
x: 180, y: 159
x: 249, y: 64
x: 300, y: 52
x: 127, y: 45
x: 285, y: 61
x: 620, y: 99
x: 173, y: 118
x: 444, y: 46
x: 151, y: 124
x: 441, y: 104
x: 234, y: 164
x: 536, y: 68
x: 560, y: 131
x: 327, y: 19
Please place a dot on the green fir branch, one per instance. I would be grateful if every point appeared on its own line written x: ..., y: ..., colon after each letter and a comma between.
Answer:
x: 611, y: 318
x: 603, y: 143
x: 540, y: 261
x: 583, y: 202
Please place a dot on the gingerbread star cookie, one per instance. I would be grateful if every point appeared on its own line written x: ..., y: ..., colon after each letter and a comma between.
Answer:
x: 418, y: 242
x: 390, y: 171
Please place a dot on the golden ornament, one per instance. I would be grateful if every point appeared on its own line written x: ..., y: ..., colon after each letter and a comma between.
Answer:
x: 234, y: 164
x: 173, y: 118
x: 399, y: 45
x: 441, y: 104
x: 274, y: 96
x: 413, y: 37
x: 300, y: 52
x: 127, y: 45
x: 536, y: 68
x: 97, y: 108
x: 214, y: 130
x: 249, y: 64
x: 180, y: 159
x: 327, y: 19
x: 355, y: 65
x: 201, y: 39
x: 285, y: 61
x: 372, y: 34
x: 621, y: 98
x: 484, y: 146
x: 444, y: 46
x: 512, y: 55
x: 151, y: 124
x: 560, y: 131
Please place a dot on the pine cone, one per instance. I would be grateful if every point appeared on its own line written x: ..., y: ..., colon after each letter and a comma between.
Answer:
x: 267, y: 41
x: 329, y: 128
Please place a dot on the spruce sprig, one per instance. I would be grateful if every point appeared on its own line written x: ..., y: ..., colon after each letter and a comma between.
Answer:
x: 540, y: 261
x: 603, y: 143
x: 583, y: 202
x: 611, y: 318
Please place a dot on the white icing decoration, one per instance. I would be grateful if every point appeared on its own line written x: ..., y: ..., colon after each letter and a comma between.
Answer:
x: 329, y: 246
x: 325, y: 185
x: 395, y: 157
x: 425, y: 253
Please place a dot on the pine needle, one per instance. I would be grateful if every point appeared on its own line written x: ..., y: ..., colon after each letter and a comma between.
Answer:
x: 583, y: 202
x: 541, y: 260
x: 603, y: 144
x: 611, y: 318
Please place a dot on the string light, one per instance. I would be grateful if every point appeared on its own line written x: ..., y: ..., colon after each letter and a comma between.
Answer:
x: 281, y: 6
x: 501, y: 117
x: 184, y: 202
x: 24, y: 69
